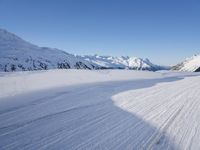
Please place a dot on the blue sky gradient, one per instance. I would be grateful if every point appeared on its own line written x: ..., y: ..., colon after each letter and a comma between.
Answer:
x: 163, y: 31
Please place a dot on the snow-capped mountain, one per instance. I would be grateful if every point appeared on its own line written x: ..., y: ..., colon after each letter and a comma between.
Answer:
x: 17, y: 54
x: 123, y: 62
x: 191, y: 64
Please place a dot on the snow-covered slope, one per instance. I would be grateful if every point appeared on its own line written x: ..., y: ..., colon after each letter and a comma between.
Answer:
x: 109, y: 62
x: 17, y: 54
x: 191, y: 64
x: 138, y: 110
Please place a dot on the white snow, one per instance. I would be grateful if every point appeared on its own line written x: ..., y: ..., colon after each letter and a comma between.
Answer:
x: 109, y: 109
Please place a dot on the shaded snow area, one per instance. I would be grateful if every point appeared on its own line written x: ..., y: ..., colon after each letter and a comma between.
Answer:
x: 104, y: 109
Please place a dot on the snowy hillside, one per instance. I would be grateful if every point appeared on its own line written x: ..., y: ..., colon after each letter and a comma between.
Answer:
x: 191, y: 64
x: 99, y: 109
x: 17, y: 54
x: 122, y: 62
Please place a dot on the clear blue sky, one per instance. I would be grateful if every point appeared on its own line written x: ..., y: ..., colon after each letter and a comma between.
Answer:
x: 165, y: 31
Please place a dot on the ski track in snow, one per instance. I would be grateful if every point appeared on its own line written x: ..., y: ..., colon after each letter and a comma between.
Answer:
x: 140, y: 114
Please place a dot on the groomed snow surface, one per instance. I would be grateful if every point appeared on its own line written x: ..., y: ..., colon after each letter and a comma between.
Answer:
x: 102, y: 109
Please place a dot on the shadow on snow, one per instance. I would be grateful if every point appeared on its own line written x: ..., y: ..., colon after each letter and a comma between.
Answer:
x: 81, y: 117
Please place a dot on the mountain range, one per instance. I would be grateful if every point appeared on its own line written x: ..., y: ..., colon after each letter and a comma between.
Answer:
x: 123, y: 62
x: 17, y: 54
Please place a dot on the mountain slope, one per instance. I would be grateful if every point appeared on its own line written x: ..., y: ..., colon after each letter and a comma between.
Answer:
x: 110, y: 62
x: 191, y: 64
x: 17, y: 54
